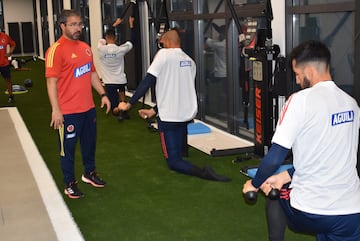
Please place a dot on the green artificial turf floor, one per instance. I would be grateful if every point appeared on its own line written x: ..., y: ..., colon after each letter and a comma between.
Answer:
x: 143, y: 200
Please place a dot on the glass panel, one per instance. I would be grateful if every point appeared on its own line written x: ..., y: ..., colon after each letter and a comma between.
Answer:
x: 213, y: 6
x: 181, y: 5
x: 107, y: 14
x: 57, y: 8
x: 240, y: 2
x: 186, y: 29
x: 228, y: 94
x: 311, y: 2
x: 112, y: 9
x: 336, y: 30
x: 215, y: 62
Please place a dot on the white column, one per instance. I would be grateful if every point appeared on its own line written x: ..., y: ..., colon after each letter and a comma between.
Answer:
x: 51, y: 22
x: 67, y: 4
x: 95, y: 27
x: 278, y: 24
x: 39, y: 27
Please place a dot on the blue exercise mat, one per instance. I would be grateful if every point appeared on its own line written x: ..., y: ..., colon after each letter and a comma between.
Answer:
x: 252, y: 171
x: 197, y: 128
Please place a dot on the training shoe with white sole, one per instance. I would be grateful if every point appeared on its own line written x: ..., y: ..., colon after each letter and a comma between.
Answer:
x: 93, y: 179
x: 72, y: 191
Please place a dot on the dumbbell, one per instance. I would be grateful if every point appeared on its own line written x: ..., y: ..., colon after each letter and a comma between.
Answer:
x: 251, y: 196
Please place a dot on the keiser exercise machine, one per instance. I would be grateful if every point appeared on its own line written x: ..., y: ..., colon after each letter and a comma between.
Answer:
x: 269, y: 86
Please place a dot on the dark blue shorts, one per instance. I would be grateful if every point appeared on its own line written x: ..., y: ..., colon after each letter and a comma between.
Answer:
x: 112, y: 91
x: 5, y: 71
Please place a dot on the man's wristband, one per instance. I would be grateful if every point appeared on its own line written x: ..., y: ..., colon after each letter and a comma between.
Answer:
x: 103, y: 95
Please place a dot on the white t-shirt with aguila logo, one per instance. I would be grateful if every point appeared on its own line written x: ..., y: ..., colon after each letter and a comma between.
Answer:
x: 321, y: 125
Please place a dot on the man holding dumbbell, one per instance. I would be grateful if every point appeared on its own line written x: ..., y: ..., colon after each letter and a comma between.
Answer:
x: 321, y: 125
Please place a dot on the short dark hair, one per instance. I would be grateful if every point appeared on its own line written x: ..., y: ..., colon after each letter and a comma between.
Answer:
x: 110, y: 33
x: 311, y: 50
x: 67, y: 13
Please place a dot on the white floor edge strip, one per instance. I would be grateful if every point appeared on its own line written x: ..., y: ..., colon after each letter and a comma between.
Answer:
x: 64, y: 225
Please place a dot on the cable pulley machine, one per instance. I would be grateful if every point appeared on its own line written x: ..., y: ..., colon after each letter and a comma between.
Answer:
x: 255, y: 40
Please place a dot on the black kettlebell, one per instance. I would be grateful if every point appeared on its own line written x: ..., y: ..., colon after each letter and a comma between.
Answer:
x: 251, y: 196
x: 274, y: 194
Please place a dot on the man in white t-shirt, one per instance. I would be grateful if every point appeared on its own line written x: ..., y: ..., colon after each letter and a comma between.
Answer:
x: 218, y: 46
x: 173, y: 73
x: 112, y: 65
x: 321, y: 125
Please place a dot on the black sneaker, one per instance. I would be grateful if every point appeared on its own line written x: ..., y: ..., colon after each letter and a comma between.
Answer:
x: 72, y: 191
x: 11, y: 99
x: 120, y: 116
x: 209, y: 174
x: 126, y: 115
x: 93, y: 179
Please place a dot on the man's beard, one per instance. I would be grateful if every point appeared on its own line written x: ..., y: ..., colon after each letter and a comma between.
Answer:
x: 75, y: 36
x: 306, y: 83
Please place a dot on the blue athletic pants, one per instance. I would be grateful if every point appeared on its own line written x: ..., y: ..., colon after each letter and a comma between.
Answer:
x: 326, y: 227
x: 172, y: 136
x: 79, y: 126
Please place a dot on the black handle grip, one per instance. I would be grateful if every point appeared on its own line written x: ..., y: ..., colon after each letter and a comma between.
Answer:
x: 251, y: 196
x: 274, y: 194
